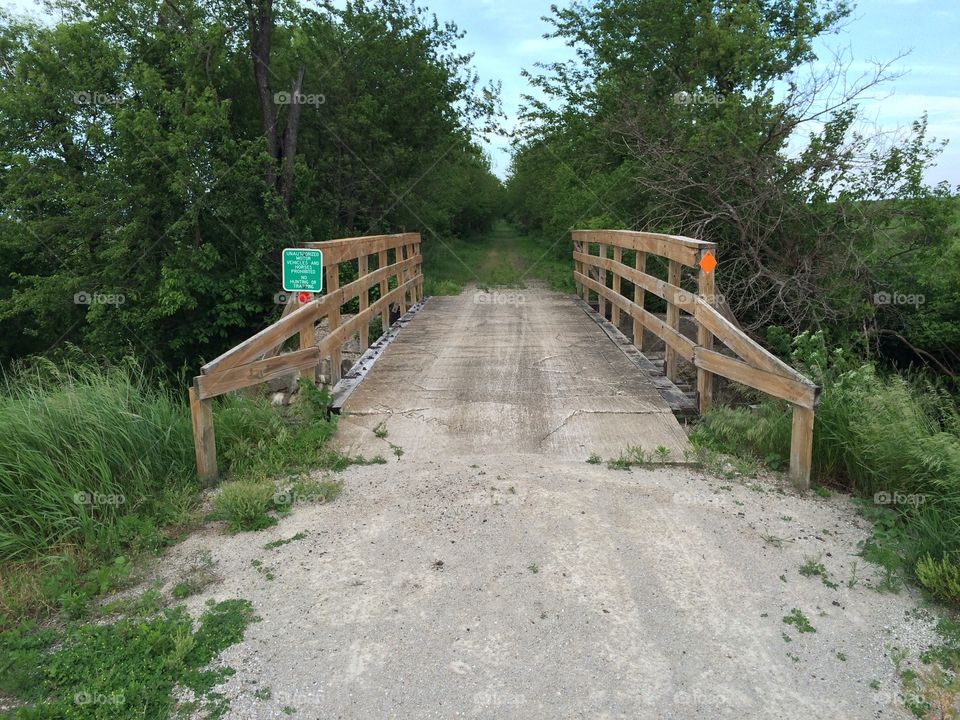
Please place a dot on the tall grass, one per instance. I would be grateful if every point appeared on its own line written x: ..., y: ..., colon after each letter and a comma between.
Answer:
x: 97, y: 465
x: 81, y: 448
x: 887, y: 438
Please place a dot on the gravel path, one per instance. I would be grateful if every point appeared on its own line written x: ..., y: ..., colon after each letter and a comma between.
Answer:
x: 522, y: 587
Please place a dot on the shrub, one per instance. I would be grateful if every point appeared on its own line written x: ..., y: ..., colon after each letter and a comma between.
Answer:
x: 244, y: 505
x: 941, y: 578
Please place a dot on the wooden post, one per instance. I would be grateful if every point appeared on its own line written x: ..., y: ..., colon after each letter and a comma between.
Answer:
x: 362, y: 270
x: 673, y: 320
x: 707, y: 290
x: 638, y: 298
x: 602, y: 279
x: 801, y: 446
x: 578, y: 267
x: 402, y: 278
x: 333, y: 321
x: 615, y: 311
x: 385, y: 315
x: 204, y: 442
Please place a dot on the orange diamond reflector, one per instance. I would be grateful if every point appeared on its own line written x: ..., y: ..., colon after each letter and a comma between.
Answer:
x: 708, y: 263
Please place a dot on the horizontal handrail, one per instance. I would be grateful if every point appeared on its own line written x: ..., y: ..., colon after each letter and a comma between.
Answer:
x: 257, y: 359
x: 754, y: 365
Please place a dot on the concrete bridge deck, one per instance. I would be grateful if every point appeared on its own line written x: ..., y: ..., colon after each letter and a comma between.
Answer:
x: 510, y: 371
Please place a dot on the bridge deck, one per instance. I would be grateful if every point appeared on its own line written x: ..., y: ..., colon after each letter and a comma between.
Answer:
x: 515, y: 371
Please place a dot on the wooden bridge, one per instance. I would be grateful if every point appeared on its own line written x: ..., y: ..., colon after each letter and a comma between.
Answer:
x: 521, y: 371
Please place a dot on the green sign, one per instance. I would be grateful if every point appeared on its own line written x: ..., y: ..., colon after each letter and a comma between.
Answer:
x: 302, y: 270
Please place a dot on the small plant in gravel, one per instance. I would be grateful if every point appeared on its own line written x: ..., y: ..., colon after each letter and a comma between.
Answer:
x: 594, y: 459
x: 263, y: 694
x: 380, y: 430
x: 812, y: 567
x: 534, y: 568
x: 633, y: 456
x: 799, y: 621
x: 265, y: 571
x: 280, y: 543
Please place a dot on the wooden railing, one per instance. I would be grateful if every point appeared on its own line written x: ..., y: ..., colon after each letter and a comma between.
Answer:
x: 397, y: 260
x: 599, y: 271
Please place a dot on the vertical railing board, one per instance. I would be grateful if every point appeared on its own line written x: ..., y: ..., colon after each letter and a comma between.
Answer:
x: 673, y: 320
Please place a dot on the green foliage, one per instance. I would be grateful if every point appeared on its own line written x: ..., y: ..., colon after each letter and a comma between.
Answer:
x: 132, y: 164
x: 941, y: 578
x: 883, y: 437
x: 245, y: 504
x: 97, y: 462
x: 799, y: 621
x: 129, y: 667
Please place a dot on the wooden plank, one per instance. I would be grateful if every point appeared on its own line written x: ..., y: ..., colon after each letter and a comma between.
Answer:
x: 337, y: 337
x: 349, y: 382
x: 204, y: 441
x: 705, y: 286
x: 683, y: 345
x: 639, y: 299
x: 801, y: 447
x: 618, y: 260
x: 308, y: 340
x: 787, y: 389
x: 578, y: 267
x: 680, y: 404
x: 661, y: 288
x: 264, y: 340
x: 673, y: 320
x: 347, y: 249
x: 217, y: 383
x: 362, y: 271
x: 402, y: 277
x: 333, y: 318
x: 602, y: 279
x: 673, y: 247
x: 741, y: 344
x: 385, y: 314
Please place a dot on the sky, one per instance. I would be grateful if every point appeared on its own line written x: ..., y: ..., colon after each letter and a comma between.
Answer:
x: 506, y: 36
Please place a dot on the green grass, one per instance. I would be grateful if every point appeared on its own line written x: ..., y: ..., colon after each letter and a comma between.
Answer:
x: 128, y: 668
x: 799, y: 621
x: 97, y: 469
x: 503, y: 257
x: 891, y: 440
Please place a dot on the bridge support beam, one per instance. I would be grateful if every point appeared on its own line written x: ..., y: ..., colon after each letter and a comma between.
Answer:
x: 801, y: 446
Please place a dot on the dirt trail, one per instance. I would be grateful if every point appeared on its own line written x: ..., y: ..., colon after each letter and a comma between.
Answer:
x: 490, y: 572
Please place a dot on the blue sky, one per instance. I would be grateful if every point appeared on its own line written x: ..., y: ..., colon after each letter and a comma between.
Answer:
x: 506, y: 35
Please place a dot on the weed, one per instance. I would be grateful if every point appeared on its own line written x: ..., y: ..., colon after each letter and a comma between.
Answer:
x: 594, y: 459
x: 381, y: 430
x: 534, y: 568
x: 941, y: 579
x: 841, y: 656
x: 245, y: 504
x: 773, y: 540
x: 279, y: 543
x: 799, y: 621
x: 397, y: 450
x: 265, y: 572
x: 263, y: 694
x: 662, y: 453
x: 821, y: 491
x: 124, y: 669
